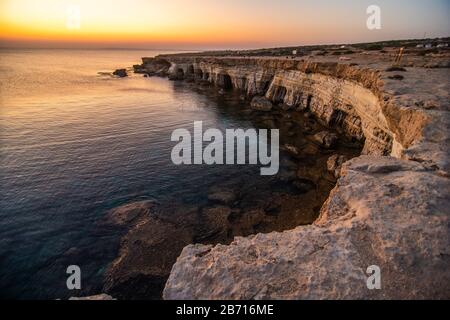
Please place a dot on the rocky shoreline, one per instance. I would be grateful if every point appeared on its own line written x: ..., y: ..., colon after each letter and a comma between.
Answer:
x: 156, y: 233
x: 389, y: 207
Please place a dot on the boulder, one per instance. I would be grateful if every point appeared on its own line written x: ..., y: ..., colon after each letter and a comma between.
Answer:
x: 286, y: 107
x: 214, y: 225
x: 326, y: 139
x: 287, y: 175
x: 261, y: 104
x: 156, y: 66
x: 381, y: 214
x: 293, y: 150
x: 304, y: 185
x: 138, y: 68
x: 121, y: 73
x: 334, y: 164
x: 130, y: 214
x: 226, y: 197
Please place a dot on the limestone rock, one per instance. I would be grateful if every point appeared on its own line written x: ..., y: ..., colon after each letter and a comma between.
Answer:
x: 226, y: 197
x: 130, y: 214
x: 360, y: 101
x: 144, y: 261
x: 326, y: 139
x: 153, y: 66
x: 334, y: 164
x: 383, y: 212
x: 293, y: 150
x: 214, y: 224
x: 261, y: 104
x: 120, y: 73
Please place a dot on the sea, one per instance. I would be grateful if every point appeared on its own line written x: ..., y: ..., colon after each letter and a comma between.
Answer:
x: 76, y: 142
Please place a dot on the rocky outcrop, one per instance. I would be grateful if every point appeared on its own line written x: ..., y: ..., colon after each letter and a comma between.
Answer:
x: 348, y: 97
x: 143, y: 275
x: 388, y: 209
x: 261, y: 104
x: 121, y: 73
x: 384, y: 212
x: 153, y: 66
x: 326, y: 139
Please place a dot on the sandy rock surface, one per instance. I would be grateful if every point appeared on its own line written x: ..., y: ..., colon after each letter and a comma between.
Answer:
x: 382, y: 213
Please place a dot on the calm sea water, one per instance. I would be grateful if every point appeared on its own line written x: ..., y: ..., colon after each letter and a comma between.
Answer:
x: 74, y: 144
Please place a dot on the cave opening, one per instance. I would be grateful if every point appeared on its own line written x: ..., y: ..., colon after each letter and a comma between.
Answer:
x: 224, y: 81
x: 199, y: 74
x: 180, y: 73
x: 266, y: 86
x: 308, y: 102
x: 280, y: 93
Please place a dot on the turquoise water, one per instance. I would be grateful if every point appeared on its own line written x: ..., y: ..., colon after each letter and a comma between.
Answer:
x: 74, y: 144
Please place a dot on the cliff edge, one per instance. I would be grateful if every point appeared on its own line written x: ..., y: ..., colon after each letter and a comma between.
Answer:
x: 390, y: 207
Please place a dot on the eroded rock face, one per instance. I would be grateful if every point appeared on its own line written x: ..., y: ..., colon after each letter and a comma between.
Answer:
x: 340, y: 96
x: 384, y: 211
x: 153, y: 66
x: 391, y: 117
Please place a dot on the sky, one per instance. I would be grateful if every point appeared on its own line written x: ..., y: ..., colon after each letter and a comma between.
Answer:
x: 213, y: 24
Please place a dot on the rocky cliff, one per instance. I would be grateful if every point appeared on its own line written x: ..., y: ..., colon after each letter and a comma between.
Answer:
x: 389, y: 208
x: 351, y: 97
x: 384, y: 211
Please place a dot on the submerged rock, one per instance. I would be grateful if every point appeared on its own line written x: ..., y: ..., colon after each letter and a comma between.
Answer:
x: 148, y: 250
x: 130, y: 214
x: 102, y: 296
x: 326, y: 139
x: 226, y: 197
x: 261, y: 104
x: 121, y: 73
x: 287, y: 175
x: 304, y: 185
x: 214, y: 224
x: 385, y: 218
x: 293, y: 150
x: 286, y: 107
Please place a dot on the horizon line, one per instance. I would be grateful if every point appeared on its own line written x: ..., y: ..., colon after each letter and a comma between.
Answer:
x: 219, y: 49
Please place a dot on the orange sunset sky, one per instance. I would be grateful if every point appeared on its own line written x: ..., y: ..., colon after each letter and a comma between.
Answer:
x: 208, y: 24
